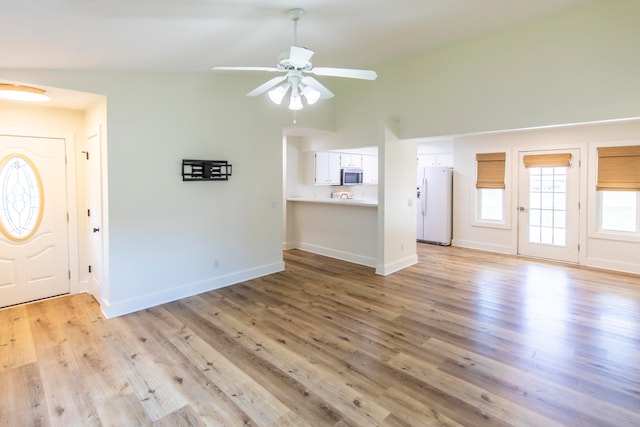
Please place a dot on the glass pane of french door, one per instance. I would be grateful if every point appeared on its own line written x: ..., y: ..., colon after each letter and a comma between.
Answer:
x: 548, y: 205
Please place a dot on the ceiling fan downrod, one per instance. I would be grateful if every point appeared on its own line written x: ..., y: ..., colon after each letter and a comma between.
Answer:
x: 294, y: 15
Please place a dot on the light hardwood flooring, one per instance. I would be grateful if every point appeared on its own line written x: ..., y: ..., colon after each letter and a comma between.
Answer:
x: 464, y: 338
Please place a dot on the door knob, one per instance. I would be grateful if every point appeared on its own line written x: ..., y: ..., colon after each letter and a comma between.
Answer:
x: 96, y: 229
x: 522, y: 209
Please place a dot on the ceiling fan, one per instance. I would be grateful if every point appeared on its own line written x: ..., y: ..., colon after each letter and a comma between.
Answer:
x: 295, y: 64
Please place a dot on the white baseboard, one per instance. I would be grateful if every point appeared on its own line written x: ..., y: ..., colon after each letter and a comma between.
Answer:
x: 288, y: 245
x: 482, y: 246
x: 607, y: 264
x: 386, y: 269
x: 150, y: 300
x: 341, y: 255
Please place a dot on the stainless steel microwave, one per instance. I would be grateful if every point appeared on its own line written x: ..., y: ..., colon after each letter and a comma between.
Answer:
x: 351, y: 176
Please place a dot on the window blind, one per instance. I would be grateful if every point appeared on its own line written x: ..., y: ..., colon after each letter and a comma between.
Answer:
x: 490, y: 170
x: 619, y: 168
x: 547, y: 160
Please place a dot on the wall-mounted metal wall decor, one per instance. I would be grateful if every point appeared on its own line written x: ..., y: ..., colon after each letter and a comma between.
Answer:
x: 205, y: 170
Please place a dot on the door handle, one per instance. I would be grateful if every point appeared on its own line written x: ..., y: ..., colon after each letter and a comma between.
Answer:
x: 523, y: 209
x: 424, y: 197
x: 96, y: 229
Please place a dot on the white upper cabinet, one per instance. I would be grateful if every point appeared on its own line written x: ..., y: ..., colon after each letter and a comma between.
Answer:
x: 350, y: 160
x: 370, y: 169
x: 441, y: 159
x: 327, y: 168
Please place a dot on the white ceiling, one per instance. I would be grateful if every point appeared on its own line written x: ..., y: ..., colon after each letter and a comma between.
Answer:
x: 193, y: 35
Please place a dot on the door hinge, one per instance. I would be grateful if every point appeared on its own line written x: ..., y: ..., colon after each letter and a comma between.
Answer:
x: 89, y: 269
x: 69, y: 274
x: 67, y: 216
x: 88, y: 212
x: 578, y: 248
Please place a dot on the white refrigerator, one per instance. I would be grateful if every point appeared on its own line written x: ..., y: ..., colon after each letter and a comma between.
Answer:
x: 434, y: 203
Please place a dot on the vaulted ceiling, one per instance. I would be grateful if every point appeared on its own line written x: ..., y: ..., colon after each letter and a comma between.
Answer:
x: 193, y: 35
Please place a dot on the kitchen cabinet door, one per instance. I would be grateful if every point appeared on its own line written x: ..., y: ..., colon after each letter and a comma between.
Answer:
x: 440, y: 159
x: 350, y: 160
x: 327, y: 167
x: 370, y: 169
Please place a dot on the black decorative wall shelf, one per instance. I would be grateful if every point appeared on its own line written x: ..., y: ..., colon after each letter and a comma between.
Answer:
x: 205, y: 170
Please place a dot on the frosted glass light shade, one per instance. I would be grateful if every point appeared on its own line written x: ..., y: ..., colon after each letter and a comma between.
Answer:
x: 22, y: 93
x: 277, y: 94
x: 295, y: 103
x: 311, y: 94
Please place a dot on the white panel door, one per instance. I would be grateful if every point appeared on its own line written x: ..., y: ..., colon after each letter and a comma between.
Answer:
x: 549, y: 213
x: 34, y: 243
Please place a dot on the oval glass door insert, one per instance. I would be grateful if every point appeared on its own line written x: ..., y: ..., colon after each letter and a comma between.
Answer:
x: 21, y: 197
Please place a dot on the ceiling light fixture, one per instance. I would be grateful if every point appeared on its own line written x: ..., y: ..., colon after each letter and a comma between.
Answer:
x: 296, y: 64
x: 277, y: 94
x: 298, y: 91
x: 22, y: 93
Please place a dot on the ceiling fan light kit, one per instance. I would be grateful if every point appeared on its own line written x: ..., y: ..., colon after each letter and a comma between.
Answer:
x: 276, y: 95
x: 15, y: 92
x: 295, y: 63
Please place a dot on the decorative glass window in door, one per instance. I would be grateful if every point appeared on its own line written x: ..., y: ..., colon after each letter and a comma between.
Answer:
x: 21, y: 197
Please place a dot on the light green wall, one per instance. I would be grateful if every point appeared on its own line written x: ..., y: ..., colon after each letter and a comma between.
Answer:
x: 577, y: 66
x: 168, y: 238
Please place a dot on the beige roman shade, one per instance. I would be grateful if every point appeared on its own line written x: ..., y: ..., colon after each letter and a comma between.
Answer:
x: 547, y: 160
x: 490, y: 170
x: 619, y: 168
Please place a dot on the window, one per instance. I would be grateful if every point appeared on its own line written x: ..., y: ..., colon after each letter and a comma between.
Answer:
x: 619, y: 211
x: 618, y: 185
x: 21, y: 198
x: 548, y: 205
x: 490, y: 204
x: 490, y: 186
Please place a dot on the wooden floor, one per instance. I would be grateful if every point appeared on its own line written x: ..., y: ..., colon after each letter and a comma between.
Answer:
x: 464, y: 338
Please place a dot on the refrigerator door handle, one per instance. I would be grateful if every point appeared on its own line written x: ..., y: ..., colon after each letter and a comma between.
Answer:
x: 424, y: 197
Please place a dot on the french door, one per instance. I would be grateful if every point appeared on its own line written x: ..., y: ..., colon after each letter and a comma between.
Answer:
x: 548, y: 204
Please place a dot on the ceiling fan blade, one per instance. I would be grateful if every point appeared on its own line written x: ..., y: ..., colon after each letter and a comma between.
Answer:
x: 344, y: 72
x: 225, y: 68
x: 300, y: 56
x: 267, y: 85
x: 324, y: 92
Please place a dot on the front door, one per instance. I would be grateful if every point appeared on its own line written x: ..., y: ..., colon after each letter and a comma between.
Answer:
x: 34, y: 243
x: 549, y: 212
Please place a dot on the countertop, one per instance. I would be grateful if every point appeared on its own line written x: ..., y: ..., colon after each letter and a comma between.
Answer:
x: 347, y: 202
